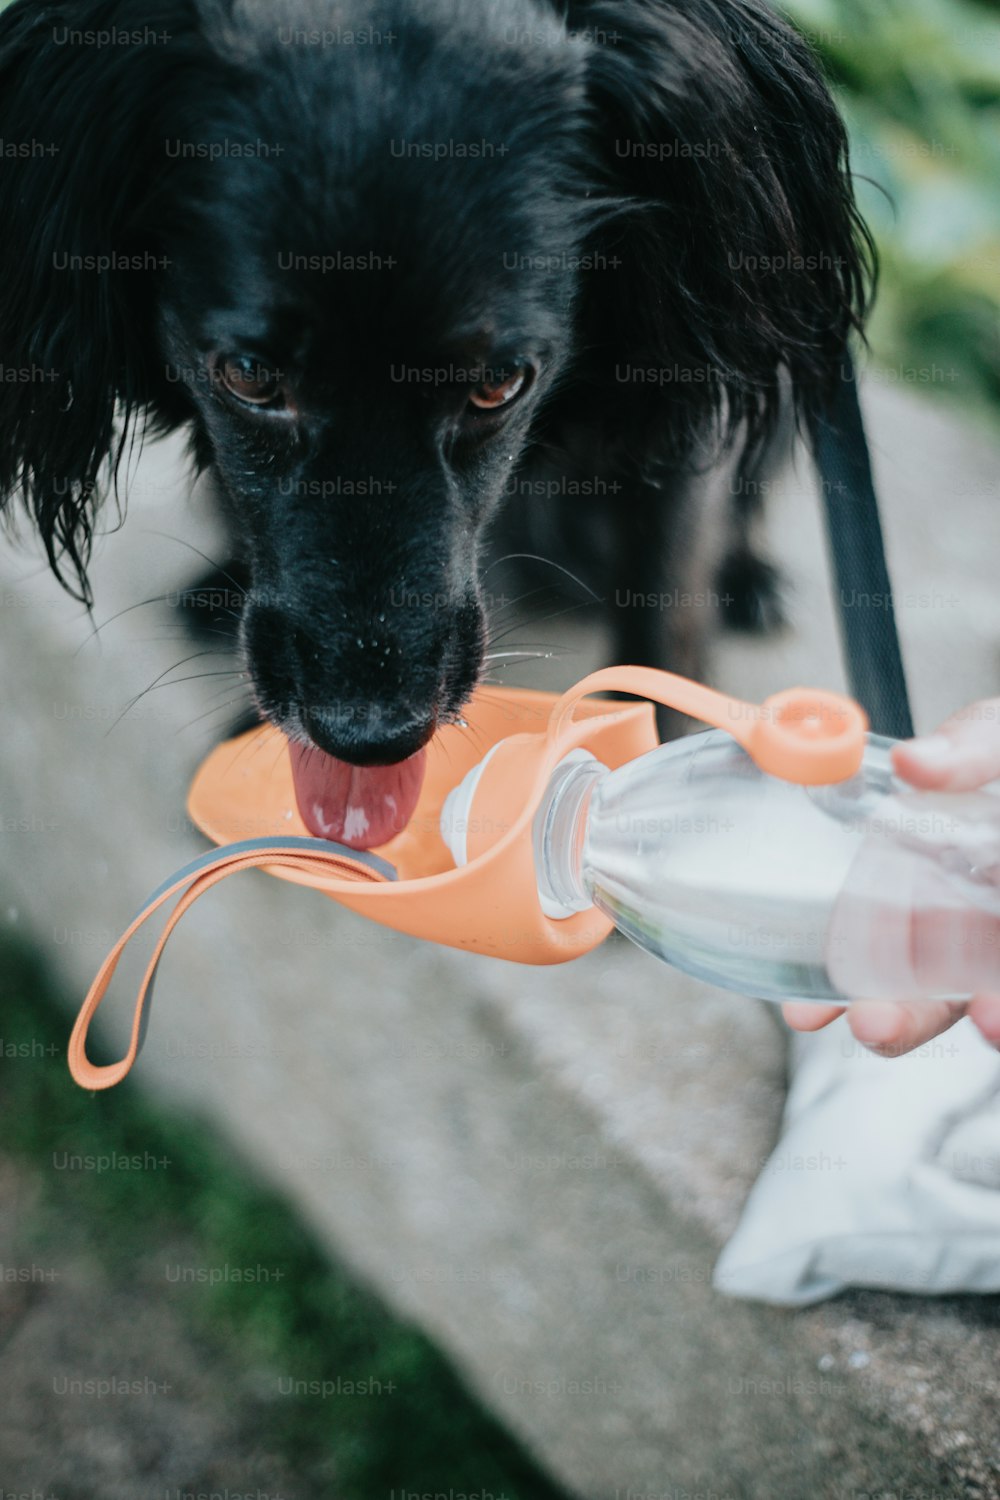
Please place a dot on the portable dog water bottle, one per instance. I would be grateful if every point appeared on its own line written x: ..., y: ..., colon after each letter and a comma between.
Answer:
x: 758, y: 855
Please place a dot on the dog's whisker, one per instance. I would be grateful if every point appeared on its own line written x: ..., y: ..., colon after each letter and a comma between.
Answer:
x: 537, y: 557
x: 220, y: 610
x: 495, y: 698
x: 446, y: 749
x: 225, y: 690
x: 159, y: 680
x: 487, y: 697
x: 156, y: 599
x: 506, y: 657
x: 474, y: 735
x: 248, y: 684
x: 251, y: 742
x: 255, y: 743
x: 525, y: 659
x: 543, y: 588
x: 280, y: 750
x: 181, y: 631
x: 175, y: 682
x: 530, y: 652
x: 217, y: 708
x: 183, y: 541
x: 142, y: 603
x: 532, y: 645
x: 194, y: 677
x: 556, y: 615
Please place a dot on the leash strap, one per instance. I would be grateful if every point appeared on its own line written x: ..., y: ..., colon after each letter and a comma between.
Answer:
x: 861, y: 574
x: 306, y: 855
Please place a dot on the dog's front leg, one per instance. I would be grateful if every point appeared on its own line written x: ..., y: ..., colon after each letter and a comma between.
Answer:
x: 673, y: 534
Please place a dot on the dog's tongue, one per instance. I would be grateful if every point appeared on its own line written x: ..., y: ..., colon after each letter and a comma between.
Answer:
x: 360, y: 806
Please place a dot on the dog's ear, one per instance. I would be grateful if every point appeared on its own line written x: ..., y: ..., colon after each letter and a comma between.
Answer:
x: 744, y: 252
x: 85, y: 90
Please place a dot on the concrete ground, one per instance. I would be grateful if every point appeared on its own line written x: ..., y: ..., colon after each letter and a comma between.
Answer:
x: 539, y: 1166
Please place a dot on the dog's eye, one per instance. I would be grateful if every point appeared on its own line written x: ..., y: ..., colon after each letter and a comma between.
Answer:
x: 248, y: 380
x: 502, y: 388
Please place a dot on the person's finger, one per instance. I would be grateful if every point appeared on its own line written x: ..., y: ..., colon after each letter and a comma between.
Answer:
x: 985, y: 1012
x: 800, y: 1015
x: 960, y: 756
x: 891, y: 1027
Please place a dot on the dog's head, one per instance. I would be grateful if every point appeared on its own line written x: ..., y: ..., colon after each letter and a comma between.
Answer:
x: 365, y: 310
x: 354, y: 248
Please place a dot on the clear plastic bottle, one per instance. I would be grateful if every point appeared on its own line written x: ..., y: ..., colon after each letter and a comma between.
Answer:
x: 864, y: 889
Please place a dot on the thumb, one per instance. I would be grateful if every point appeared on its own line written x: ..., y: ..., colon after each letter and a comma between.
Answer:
x: 960, y: 756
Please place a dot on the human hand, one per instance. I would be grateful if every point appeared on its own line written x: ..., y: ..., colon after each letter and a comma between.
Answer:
x: 962, y: 755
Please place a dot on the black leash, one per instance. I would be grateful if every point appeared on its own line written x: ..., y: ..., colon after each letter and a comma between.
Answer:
x: 861, y: 574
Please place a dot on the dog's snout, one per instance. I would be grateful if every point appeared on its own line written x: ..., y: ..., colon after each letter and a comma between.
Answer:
x: 361, y: 705
x: 367, y: 686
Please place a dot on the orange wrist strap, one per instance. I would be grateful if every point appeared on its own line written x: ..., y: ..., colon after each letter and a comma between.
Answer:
x: 303, y: 855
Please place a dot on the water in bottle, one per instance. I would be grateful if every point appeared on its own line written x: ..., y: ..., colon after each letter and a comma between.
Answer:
x: 863, y: 889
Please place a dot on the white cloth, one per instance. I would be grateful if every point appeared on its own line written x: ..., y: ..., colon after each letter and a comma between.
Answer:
x: 887, y: 1174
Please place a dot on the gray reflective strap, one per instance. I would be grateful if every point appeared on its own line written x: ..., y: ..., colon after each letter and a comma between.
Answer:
x: 189, y: 872
x: 381, y: 867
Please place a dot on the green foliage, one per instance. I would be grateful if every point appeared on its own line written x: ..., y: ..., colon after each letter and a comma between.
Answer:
x: 919, y: 85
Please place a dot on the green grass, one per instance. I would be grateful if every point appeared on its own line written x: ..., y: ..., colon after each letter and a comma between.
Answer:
x: 314, y: 1321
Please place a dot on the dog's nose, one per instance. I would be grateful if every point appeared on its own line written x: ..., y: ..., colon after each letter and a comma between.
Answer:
x: 368, y: 733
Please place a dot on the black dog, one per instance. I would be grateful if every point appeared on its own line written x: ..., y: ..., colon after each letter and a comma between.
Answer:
x: 394, y: 262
